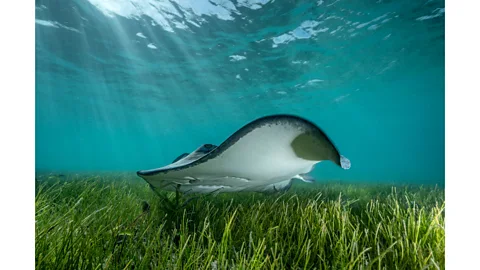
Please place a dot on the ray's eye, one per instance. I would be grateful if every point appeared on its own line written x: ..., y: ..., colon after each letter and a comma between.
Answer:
x: 208, y: 146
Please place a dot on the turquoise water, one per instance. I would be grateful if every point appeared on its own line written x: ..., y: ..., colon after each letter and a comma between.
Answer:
x: 130, y: 85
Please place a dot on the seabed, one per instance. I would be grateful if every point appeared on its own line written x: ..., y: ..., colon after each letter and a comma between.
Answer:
x: 116, y: 221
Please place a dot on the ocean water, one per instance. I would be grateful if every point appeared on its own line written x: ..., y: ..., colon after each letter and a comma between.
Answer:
x: 130, y: 85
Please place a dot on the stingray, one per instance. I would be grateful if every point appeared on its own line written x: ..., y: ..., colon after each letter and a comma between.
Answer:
x: 265, y: 155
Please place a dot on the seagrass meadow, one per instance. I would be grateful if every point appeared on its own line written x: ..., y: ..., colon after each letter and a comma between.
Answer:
x: 116, y: 221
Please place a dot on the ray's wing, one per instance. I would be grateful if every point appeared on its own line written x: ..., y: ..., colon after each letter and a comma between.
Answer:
x: 186, y: 158
x: 198, y: 153
x: 180, y: 157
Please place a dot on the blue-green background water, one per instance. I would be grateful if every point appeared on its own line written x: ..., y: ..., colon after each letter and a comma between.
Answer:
x: 129, y: 85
